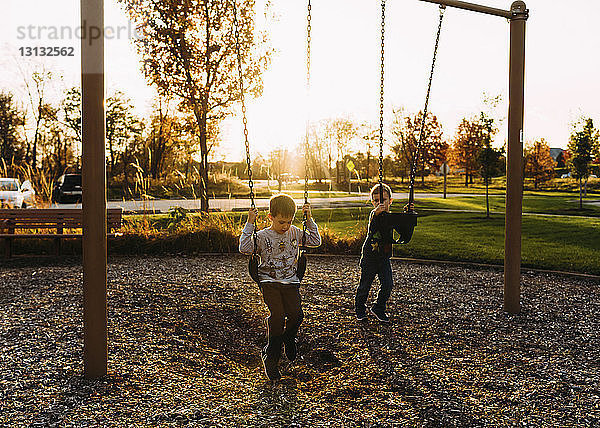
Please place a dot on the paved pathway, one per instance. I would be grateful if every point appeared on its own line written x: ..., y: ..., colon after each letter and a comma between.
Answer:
x: 238, y: 204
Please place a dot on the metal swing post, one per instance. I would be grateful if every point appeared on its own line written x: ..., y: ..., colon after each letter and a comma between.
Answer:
x: 517, y: 15
x: 514, y: 161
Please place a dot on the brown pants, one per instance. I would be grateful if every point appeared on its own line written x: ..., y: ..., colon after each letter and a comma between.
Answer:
x: 285, y: 309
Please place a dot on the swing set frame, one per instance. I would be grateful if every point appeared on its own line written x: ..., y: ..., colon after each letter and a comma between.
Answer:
x: 95, y: 346
x: 517, y: 15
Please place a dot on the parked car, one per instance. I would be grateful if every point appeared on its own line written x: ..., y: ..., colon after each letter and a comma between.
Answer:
x: 13, y: 194
x: 566, y: 175
x: 67, y: 189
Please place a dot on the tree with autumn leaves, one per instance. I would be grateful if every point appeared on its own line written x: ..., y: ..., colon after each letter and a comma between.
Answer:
x: 188, y: 49
x: 539, y: 165
x: 432, y: 150
x: 465, y: 149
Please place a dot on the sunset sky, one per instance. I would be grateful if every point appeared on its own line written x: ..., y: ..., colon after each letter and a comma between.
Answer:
x: 562, y: 64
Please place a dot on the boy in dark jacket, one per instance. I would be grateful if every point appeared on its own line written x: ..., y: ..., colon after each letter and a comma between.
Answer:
x: 375, y: 259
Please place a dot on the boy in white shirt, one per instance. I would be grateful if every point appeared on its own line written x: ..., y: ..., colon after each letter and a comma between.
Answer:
x: 278, y: 248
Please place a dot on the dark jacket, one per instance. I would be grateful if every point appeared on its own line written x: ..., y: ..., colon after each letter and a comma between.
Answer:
x: 376, y: 245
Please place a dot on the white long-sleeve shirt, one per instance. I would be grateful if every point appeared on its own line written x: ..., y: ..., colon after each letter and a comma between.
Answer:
x: 278, y: 251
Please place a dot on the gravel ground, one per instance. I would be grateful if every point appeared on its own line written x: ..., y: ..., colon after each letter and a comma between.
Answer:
x: 185, y: 335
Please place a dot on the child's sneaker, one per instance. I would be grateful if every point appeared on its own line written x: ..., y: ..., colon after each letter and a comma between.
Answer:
x: 380, y: 315
x: 270, y: 365
x: 291, y: 350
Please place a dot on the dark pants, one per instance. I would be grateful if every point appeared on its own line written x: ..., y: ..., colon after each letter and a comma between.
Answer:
x: 369, y: 268
x: 285, y: 309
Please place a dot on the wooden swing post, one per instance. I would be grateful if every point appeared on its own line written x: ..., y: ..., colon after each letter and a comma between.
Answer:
x: 95, y: 339
x: 517, y: 15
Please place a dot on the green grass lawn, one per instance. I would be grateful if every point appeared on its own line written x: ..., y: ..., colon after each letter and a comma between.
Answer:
x: 548, y: 242
x: 559, y: 242
x: 559, y: 204
x: 456, y: 184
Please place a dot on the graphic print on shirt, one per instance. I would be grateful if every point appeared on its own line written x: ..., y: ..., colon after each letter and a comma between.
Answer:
x: 281, y: 261
x: 268, y: 249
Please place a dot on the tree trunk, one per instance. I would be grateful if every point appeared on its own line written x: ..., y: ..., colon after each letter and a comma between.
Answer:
x: 34, y: 151
x: 487, y: 200
x: 422, y: 170
x: 201, y: 120
x: 125, y: 179
x: 368, y: 160
x: 112, y: 157
x: 580, y: 196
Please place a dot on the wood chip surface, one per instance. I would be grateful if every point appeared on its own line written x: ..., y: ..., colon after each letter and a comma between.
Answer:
x: 185, y: 334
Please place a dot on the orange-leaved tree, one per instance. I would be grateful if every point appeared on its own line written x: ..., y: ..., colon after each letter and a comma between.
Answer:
x: 539, y: 165
x: 466, y: 146
x: 189, y: 50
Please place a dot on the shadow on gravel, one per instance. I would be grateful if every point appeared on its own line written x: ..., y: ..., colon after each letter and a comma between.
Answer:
x: 39, y: 261
x: 231, y: 331
x: 417, y: 387
x: 77, y: 392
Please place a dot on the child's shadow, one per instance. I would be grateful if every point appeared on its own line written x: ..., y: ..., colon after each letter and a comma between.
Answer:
x: 281, y: 395
x: 415, y: 384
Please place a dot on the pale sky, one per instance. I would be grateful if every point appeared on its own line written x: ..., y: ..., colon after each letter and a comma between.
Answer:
x: 562, y: 64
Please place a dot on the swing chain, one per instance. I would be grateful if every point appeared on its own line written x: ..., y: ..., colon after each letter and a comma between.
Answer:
x: 381, y: 89
x: 424, y: 118
x: 244, y: 119
x: 308, y: 30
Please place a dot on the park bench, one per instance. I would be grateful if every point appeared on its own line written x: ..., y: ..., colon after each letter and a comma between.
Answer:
x: 67, y: 224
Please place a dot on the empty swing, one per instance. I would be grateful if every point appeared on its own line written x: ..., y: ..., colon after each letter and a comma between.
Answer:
x: 405, y: 222
x: 254, y: 260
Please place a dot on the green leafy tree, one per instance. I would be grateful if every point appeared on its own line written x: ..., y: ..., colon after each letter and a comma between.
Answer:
x: 188, y: 50
x: 37, y: 100
x: 279, y: 163
x: 405, y: 143
x: 488, y: 158
x: 433, y: 148
x: 55, y: 144
x: 370, y: 136
x: 582, y: 144
x: 121, y: 123
x: 71, y: 111
x: 165, y: 134
x: 11, y: 118
x: 343, y: 131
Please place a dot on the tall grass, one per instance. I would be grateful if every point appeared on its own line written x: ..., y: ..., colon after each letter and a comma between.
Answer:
x: 176, y: 184
x: 182, y: 232
x: 41, y: 180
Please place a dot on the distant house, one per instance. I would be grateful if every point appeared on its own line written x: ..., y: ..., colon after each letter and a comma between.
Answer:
x: 555, y: 152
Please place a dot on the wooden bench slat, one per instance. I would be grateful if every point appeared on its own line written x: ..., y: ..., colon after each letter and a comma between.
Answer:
x: 51, y: 235
x: 12, y: 220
